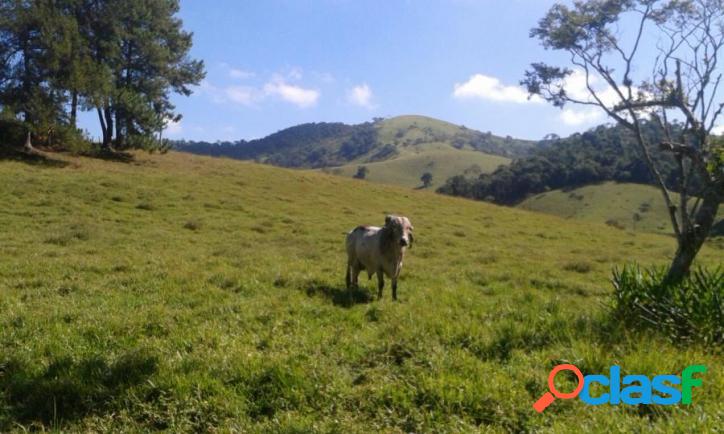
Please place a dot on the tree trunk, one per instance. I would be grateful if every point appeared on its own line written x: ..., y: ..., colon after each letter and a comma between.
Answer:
x: 29, y: 143
x: 74, y: 108
x: 28, y: 117
x: 109, y: 124
x: 120, y: 137
x: 106, y: 141
x: 691, y: 241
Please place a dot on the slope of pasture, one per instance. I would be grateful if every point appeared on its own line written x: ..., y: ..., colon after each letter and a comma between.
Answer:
x: 192, y: 294
x: 631, y: 206
x: 410, y: 133
x: 442, y: 162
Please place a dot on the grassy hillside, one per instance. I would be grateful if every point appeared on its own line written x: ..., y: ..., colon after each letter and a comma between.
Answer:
x: 441, y: 163
x: 630, y: 206
x: 194, y: 294
x: 409, y: 131
x: 425, y: 144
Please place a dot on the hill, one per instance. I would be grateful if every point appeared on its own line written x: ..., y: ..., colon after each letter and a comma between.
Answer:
x: 604, y: 153
x: 419, y: 143
x: 630, y: 206
x: 406, y: 170
x: 192, y: 294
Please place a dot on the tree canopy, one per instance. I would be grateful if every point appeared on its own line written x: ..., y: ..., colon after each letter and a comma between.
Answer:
x: 612, y: 45
x: 121, y: 59
x: 604, y: 153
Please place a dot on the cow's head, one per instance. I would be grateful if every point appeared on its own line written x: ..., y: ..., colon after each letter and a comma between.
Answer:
x: 401, y: 230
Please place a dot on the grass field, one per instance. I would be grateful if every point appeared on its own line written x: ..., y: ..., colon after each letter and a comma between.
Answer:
x: 424, y: 145
x: 441, y: 163
x: 192, y: 294
x: 409, y: 128
x: 630, y: 206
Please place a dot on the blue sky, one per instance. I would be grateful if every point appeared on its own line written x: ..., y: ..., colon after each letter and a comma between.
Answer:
x: 272, y: 64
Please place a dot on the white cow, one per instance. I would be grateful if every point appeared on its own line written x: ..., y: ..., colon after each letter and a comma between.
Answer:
x: 378, y: 251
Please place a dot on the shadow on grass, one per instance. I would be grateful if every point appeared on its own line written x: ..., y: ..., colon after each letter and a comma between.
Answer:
x: 339, y: 296
x: 32, y: 158
x: 67, y: 389
x: 110, y: 155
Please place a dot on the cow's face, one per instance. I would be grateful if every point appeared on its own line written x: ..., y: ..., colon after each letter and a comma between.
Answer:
x: 401, y: 230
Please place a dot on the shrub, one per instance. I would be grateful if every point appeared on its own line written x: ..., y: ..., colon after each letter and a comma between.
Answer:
x: 65, y: 138
x: 12, y: 133
x: 615, y: 224
x: 689, y: 310
x: 362, y: 172
x: 192, y: 225
x: 578, y: 267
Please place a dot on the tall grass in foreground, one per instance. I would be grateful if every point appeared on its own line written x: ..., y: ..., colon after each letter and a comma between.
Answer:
x: 690, y: 310
x: 189, y: 294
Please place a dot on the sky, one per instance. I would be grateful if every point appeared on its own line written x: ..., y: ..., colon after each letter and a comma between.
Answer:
x: 273, y: 64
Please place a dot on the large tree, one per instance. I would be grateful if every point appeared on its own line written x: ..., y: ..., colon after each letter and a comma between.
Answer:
x: 26, y: 67
x: 121, y: 58
x: 665, y: 69
x: 152, y: 62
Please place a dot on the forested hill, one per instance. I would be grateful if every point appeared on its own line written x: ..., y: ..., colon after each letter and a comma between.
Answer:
x: 605, y: 153
x: 317, y: 145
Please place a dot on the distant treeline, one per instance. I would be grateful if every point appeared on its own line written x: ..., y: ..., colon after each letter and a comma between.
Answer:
x: 310, y: 145
x: 604, y: 153
x: 118, y: 58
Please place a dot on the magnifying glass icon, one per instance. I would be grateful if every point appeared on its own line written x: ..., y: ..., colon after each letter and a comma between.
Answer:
x: 548, y: 397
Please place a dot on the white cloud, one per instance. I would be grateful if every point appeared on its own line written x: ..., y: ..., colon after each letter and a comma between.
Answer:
x: 241, y: 94
x: 575, y: 87
x: 575, y: 117
x: 718, y: 129
x: 490, y: 88
x: 294, y: 94
x: 214, y: 93
x: 173, y: 128
x: 361, y: 95
x: 240, y: 74
x: 250, y: 96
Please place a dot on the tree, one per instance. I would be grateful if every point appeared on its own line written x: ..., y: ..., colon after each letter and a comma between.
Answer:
x: 148, y: 62
x: 682, y: 39
x: 362, y: 172
x: 426, y: 179
x: 121, y: 58
x: 25, y: 66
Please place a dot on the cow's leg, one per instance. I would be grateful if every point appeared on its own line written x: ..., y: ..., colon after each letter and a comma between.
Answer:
x: 394, y: 289
x: 347, y: 277
x: 380, y: 284
x: 356, y: 268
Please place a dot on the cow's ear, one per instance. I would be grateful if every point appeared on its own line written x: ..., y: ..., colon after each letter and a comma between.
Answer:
x: 388, y: 220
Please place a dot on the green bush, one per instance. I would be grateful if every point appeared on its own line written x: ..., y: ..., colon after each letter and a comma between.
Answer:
x: 67, y: 138
x: 12, y: 134
x: 687, y: 311
x: 57, y: 136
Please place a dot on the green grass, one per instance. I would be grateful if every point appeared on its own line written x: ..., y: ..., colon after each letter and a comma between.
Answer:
x: 616, y: 203
x: 191, y: 294
x: 441, y: 163
x: 425, y: 144
x: 405, y: 130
